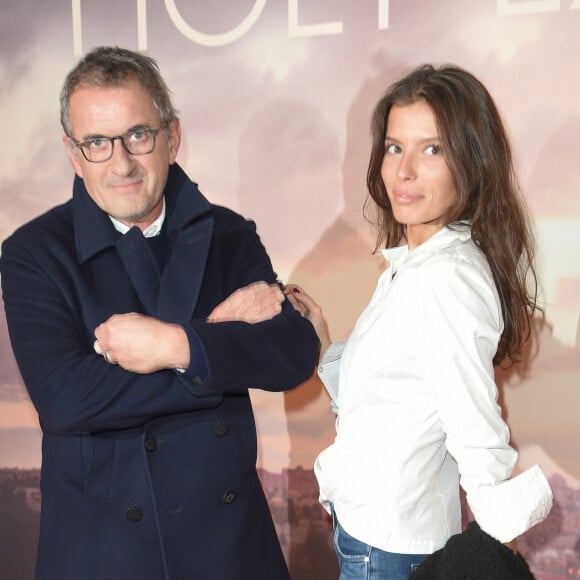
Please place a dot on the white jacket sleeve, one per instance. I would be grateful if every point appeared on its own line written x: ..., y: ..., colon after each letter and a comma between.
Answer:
x: 466, y: 398
x: 329, y: 371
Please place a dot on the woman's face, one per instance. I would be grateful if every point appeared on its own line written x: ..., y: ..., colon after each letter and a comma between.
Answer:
x: 417, y: 178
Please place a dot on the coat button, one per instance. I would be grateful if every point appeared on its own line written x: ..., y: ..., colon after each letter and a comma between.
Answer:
x: 229, y: 497
x: 134, y: 514
x: 221, y: 428
x: 150, y: 444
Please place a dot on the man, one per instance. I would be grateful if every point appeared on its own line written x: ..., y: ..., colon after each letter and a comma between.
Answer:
x: 135, y: 358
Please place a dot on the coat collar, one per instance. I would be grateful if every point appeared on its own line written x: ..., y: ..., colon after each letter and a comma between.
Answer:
x: 94, y: 231
x: 171, y: 296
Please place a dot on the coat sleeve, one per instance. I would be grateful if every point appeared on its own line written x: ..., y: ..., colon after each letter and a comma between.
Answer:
x: 72, y: 388
x: 274, y: 355
x: 75, y: 391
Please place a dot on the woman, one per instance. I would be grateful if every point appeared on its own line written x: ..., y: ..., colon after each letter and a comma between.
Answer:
x: 414, y: 384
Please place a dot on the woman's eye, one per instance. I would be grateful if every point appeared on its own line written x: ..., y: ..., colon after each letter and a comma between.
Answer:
x: 432, y: 150
x: 391, y: 148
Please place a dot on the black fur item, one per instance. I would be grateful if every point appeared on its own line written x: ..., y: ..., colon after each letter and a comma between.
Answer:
x: 473, y: 555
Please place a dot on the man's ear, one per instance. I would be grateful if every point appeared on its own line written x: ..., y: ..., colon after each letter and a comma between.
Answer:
x: 72, y: 151
x: 174, y: 139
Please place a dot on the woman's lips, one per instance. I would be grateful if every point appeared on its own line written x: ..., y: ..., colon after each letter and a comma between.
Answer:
x: 405, y: 198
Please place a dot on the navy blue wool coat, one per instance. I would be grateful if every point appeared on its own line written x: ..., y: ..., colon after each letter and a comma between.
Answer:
x: 148, y: 477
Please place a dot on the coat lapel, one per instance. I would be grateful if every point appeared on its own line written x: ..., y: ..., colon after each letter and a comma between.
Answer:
x: 183, y: 274
x: 189, y: 231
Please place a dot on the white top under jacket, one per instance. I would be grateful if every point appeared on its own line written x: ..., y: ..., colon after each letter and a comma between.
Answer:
x: 416, y: 399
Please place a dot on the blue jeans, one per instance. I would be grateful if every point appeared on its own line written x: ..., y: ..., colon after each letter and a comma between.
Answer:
x: 359, y: 561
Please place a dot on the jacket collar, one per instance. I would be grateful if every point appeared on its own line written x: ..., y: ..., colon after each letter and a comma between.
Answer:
x: 456, y: 232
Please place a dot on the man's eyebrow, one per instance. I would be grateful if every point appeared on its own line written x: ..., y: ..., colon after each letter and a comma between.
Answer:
x: 139, y: 127
x: 133, y: 129
x: 92, y: 136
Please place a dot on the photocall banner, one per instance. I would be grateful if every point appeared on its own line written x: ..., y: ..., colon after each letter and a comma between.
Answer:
x: 274, y: 98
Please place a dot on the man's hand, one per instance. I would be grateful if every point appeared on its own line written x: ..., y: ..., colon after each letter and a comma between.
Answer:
x: 254, y: 303
x: 142, y: 344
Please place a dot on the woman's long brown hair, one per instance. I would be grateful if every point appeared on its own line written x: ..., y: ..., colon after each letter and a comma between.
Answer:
x: 478, y: 154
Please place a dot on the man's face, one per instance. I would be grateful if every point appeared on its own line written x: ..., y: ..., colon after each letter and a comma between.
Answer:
x: 127, y: 187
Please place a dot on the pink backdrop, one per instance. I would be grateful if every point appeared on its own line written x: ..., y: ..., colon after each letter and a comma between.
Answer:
x: 274, y: 98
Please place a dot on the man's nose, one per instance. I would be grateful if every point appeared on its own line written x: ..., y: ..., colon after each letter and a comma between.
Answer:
x: 121, y: 160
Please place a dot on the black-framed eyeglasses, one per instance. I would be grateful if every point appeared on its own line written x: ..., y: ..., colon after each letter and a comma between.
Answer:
x: 135, y: 142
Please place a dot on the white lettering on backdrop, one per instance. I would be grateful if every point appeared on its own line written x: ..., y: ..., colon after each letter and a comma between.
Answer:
x: 511, y: 7
x: 295, y: 29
